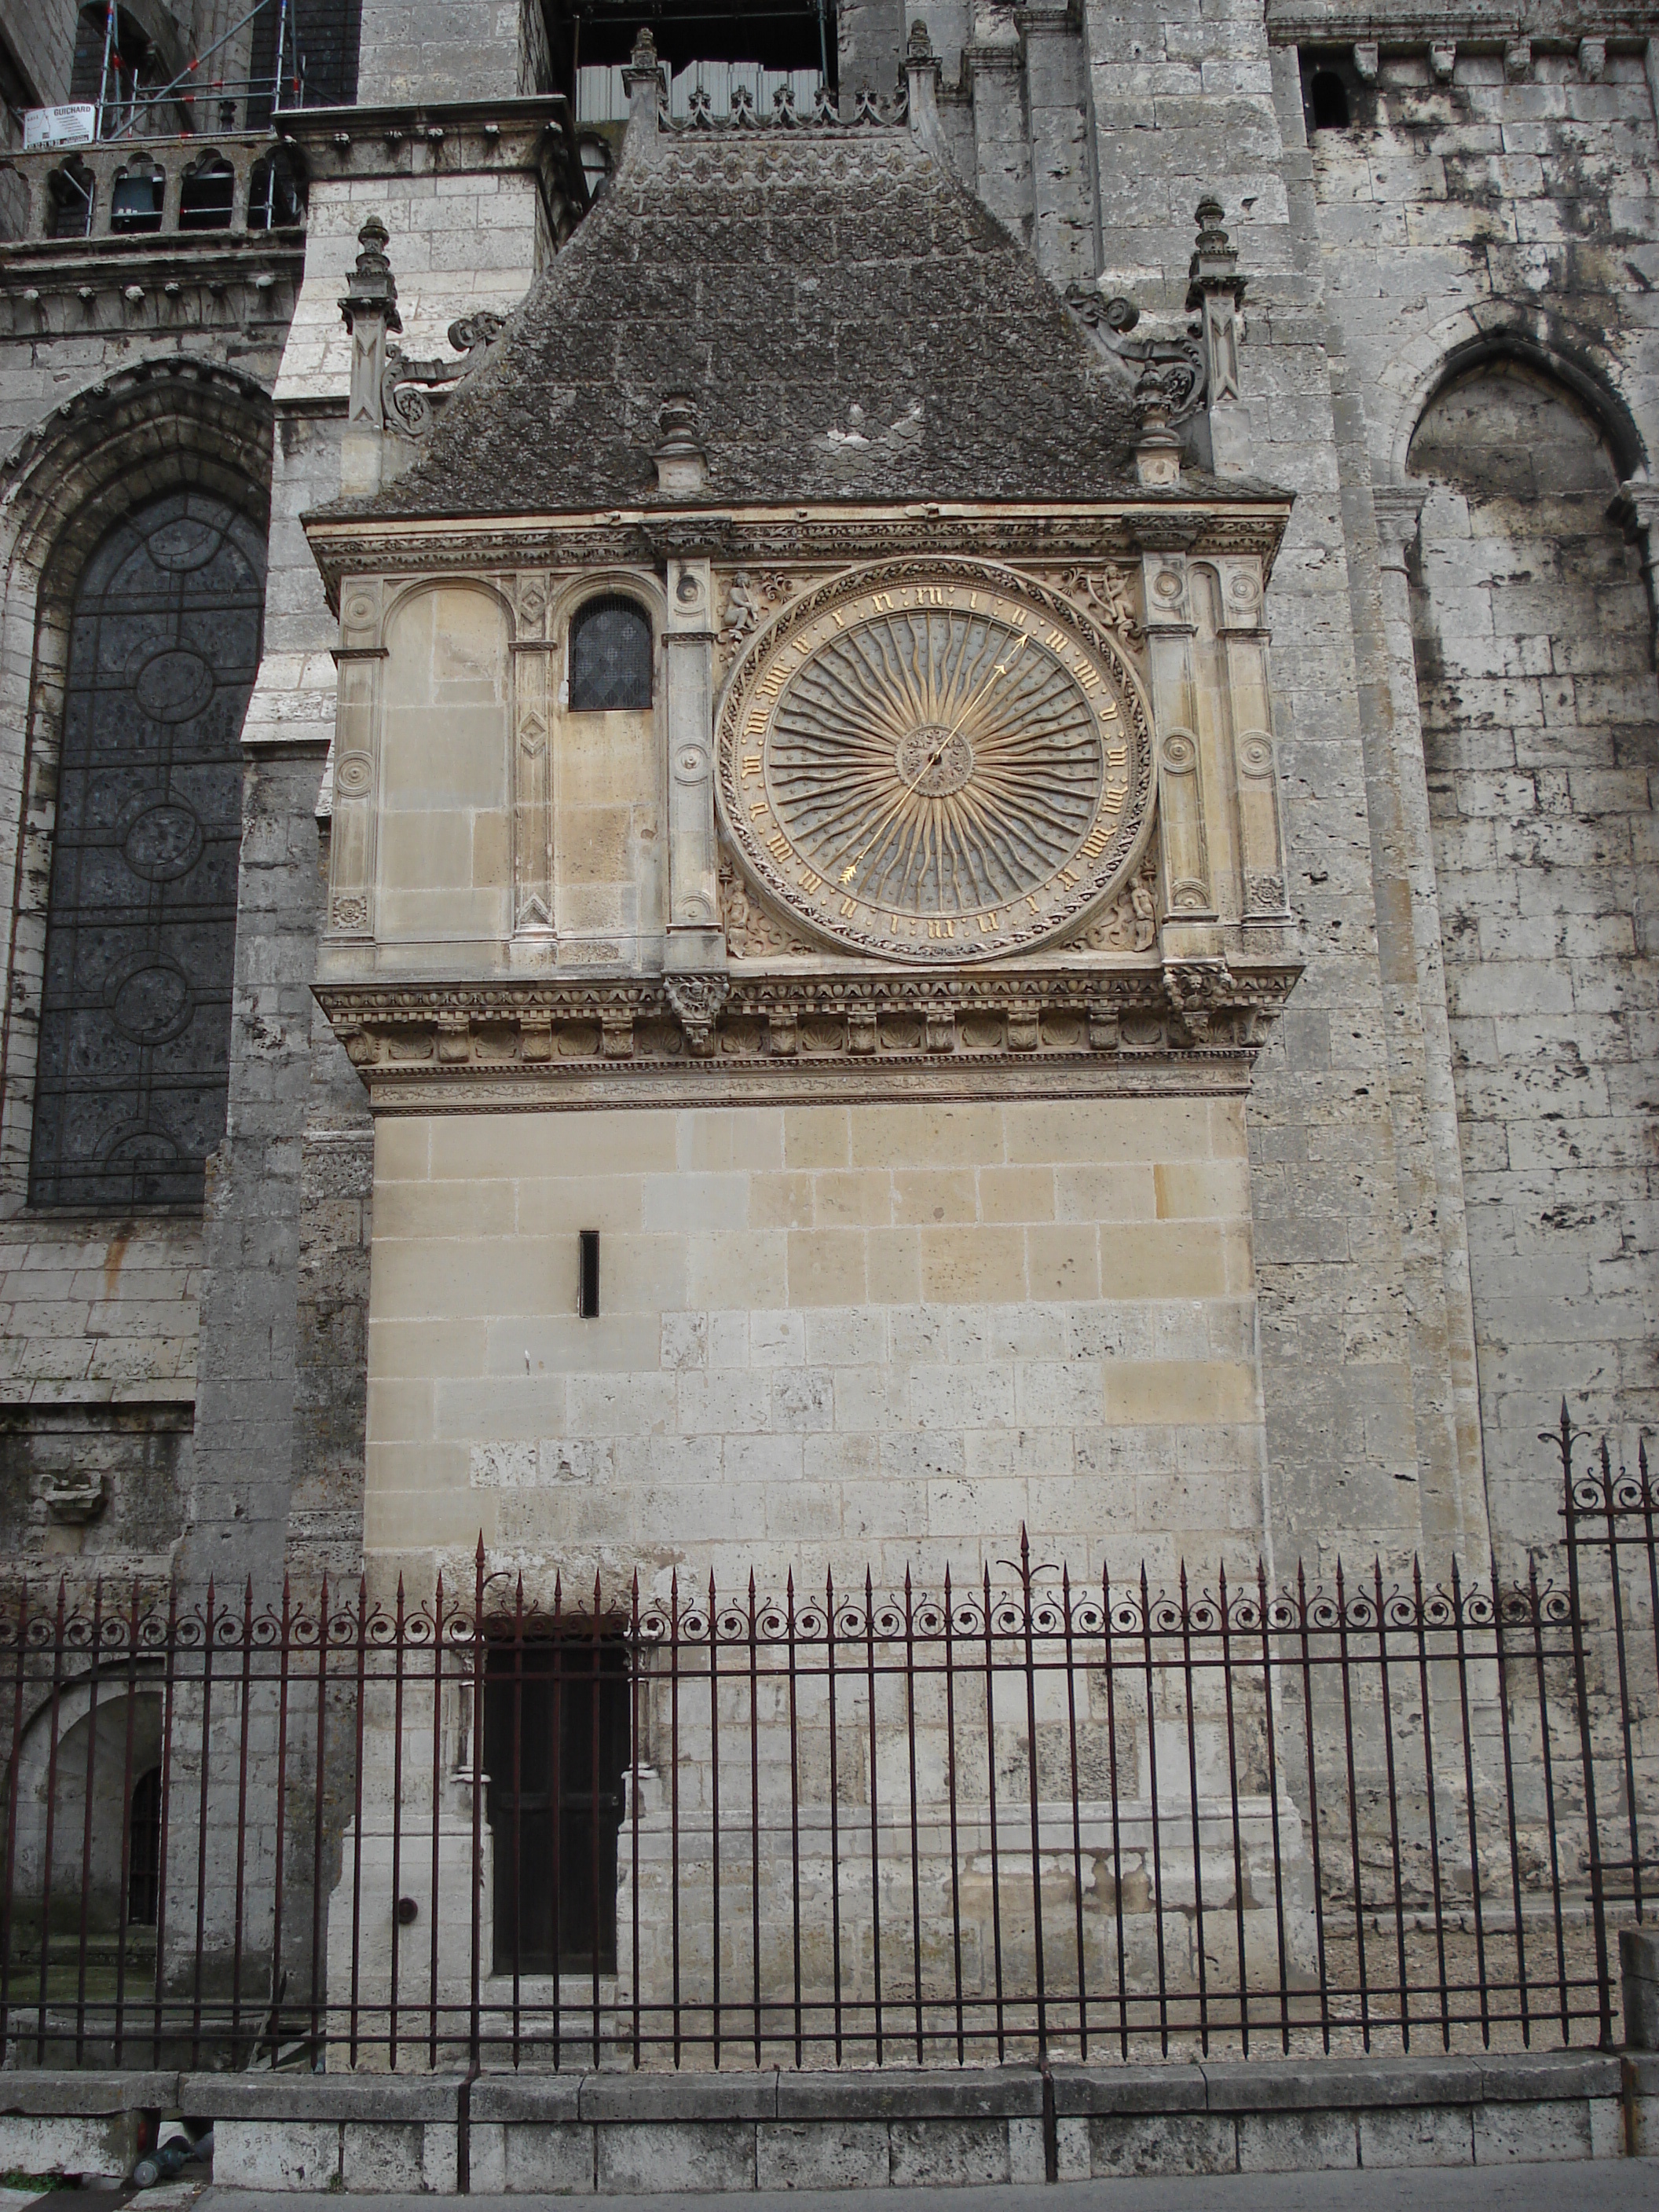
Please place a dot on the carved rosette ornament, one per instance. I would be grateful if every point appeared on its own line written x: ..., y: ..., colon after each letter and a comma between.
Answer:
x: 935, y: 762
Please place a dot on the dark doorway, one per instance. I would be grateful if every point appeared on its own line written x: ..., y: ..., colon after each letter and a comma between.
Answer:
x: 555, y: 1748
x: 145, y: 1849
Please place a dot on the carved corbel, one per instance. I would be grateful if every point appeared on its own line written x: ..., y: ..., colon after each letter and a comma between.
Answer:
x: 696, y: 1001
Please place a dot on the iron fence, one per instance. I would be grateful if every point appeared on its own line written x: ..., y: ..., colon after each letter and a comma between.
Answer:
x: 1020, y: 1817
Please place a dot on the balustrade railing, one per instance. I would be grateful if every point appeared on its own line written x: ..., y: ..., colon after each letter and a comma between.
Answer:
x: 177, y: 187
x: 1020, y: 1815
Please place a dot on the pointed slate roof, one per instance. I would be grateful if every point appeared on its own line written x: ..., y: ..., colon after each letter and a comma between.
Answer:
x: 853, y: 322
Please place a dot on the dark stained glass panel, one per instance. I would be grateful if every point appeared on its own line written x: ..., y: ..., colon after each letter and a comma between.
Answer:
x: 610, y: 657
x: 135, y: 1029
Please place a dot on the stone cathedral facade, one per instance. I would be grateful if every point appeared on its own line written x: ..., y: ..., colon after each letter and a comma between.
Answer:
x: 777, y: 791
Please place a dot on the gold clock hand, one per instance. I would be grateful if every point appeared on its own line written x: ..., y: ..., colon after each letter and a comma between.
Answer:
x: 909, y: 792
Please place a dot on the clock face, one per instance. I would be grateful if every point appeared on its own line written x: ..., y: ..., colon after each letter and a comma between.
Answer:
x: 936, y: 761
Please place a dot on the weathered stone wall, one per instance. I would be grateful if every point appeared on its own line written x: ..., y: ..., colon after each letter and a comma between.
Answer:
x: 105, y: 401
x: 41, y: 36
x: 1493, y: 205
x: 1541, y: 732
x: 828, y: 1336
x: 451, y: 50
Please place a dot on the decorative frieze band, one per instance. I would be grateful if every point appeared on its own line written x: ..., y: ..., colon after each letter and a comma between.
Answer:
x: 400, y: 1037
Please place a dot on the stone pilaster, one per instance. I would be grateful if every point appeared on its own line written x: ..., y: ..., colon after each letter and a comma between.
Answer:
x: 1443, y: 1326
x: 694, y: 941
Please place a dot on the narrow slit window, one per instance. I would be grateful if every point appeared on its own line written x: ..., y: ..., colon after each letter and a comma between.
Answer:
x: 587, y: 1278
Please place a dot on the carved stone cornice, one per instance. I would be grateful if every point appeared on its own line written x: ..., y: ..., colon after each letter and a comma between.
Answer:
x: 1402, y: 25
x: 839, y: 536
x: 507, y: 1043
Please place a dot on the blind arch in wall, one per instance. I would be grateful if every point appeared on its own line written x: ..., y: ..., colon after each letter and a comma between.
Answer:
x: 135, y: 1024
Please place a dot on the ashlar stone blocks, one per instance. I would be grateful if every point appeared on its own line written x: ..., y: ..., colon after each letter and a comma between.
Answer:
x: 827, y: 1336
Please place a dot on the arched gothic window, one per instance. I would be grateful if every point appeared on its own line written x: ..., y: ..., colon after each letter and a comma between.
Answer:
x: 610, y: 656
x: 135, y: 1021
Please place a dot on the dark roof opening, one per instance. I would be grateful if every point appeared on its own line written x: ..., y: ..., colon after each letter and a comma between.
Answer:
x: 779, y: 34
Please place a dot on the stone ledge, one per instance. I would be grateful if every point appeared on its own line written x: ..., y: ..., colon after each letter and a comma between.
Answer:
x: 1080, y: 2091
x: 553, y: 2100
x: 1013, y: 2092
x: 318, y: 2097
x: 666, y: 2133
x: 72, y: 2096
x: 650, y: 2097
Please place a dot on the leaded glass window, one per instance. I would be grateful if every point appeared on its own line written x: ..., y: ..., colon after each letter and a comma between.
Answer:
x: 610, y: 656
x: 135, y: 1024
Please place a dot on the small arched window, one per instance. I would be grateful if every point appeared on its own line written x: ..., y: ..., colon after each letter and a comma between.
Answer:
x: 68, y: 200
x: 1329, y: 98
x: 134, y: 201
x: 273, y: 199
x: 610, y: 656
x: 206, y: 195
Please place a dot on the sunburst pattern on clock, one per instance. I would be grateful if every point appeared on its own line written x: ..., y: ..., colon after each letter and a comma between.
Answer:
x: 941, y: 768
x: 938, y: 763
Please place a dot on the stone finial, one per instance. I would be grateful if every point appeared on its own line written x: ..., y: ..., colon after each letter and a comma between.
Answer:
x: 1217, y: 291
x: 1157, y: 448
x: 1214, y: 265
x: 681, y: 460
x: 642, y: 81
x: 371, y: 288
x: 370, y: 309
x: 921, y: 76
